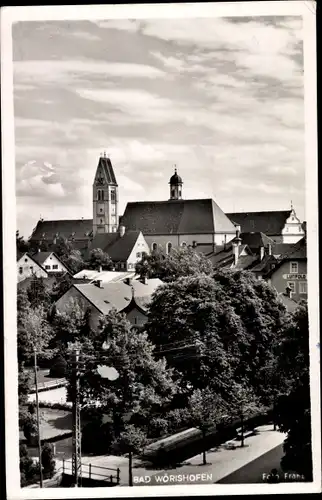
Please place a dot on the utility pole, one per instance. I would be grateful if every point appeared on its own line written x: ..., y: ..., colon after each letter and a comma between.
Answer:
x: 38, y: 422
x: 77, y: 457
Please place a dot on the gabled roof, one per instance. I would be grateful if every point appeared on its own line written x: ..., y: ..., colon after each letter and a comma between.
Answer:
x: 270, y: 223
x: 118, y: 295
x: 256, y: 240
x: 32, y: 257
x: 265, y: 264
x: 224, y: 256
x: 118, y: 247
x: 297, y: 250
x: 48, y: 230
x: 105, y: 164
x: 41, y: 257
x: 176, y: 217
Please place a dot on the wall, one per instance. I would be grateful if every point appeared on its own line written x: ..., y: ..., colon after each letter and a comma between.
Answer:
x: 136, y: 317
x: 65, y: 302
x: 177, y: 239
x: 292, y: 231
x: 281, y: 277
x: 53, y: 261
x: 29, y: 268
x: 139, y: 247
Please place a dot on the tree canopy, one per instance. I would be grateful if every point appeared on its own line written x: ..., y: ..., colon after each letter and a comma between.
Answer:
x: 98, y: 258
x: 233, y: 319
x: 168, y: 267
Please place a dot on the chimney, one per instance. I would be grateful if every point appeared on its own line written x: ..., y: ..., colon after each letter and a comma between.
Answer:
x: 236, y: 253
x: 269, y: 249
x: 262, y: 252
x: 99, y: 283
x: 288, y: 292
x: 121, y: 231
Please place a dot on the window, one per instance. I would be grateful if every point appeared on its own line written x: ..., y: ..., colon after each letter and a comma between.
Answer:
x: 26, y: 260
x: 303, y: 287
x: 55, y: 266
x: 294, y: 267
x: 20, y: 270
x: 183, y: 244
x: 32, y: 269
x: 138, y: 255
x: 47, y: 267
x: 101, y: 210
x: 291, y: 285
x: 168, y: 247
x: 113, y: 195
x: 101, y: 221
x: 99, y: 195
x: 102, y: 195
x: 130, y: 266
x: 154, y: 247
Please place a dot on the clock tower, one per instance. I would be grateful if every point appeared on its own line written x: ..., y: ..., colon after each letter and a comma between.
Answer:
x: 105, y: 198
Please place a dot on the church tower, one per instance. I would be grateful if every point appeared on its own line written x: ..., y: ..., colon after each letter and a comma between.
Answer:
x: 105, y: 198
x: 175, y: 186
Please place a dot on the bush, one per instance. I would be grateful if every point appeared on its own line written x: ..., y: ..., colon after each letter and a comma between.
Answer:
x: 97, y: 437
x: 28, y: 470
x: 55, y: 406
x: 47, y: 459
x: 59, y: 368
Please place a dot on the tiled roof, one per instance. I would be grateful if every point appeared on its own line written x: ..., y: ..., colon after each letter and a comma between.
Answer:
x: 117, y: 247
x: 106, y: 166
x: 176, y: 217
x: 297, y: 250
x: 270, y: 223
x: 245, y: 261
x: 118, y: 295
x: 256, y: 240
x: 47, y: 230
x: 40, y: 257
x: 265, y: 264
x: 225, y: 257
x: 279, y: 249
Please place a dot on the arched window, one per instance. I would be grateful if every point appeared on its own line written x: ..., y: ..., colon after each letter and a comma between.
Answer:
x: 99, y: 194
x: 168, y: 247
x: 113, y: 195
x: 102, y: 195
x: 154, y: 247
x: 184, y: 244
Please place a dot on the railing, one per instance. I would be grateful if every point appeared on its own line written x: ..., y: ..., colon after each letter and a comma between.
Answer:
x: 51, y: 384
x: 91, y: 472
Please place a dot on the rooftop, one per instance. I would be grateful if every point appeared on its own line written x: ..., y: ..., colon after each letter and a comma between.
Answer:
x: 270, y: 223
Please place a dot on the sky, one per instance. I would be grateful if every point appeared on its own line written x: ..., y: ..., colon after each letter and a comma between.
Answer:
x: 220, y: 98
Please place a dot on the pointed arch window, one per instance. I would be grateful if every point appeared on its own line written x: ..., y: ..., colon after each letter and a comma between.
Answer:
x: 168, y: 247
x: 154, y: 247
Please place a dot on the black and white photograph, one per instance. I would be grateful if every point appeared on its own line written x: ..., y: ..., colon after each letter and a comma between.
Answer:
x: 161, y: 250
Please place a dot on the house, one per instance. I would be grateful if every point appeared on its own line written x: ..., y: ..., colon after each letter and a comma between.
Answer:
x: 130, y: 297
x: 125, y: 248
x: 103, y: 276
x: 291, y: 272
x: 281, y: 226
x: 28, y: 266
x: 50, y: 262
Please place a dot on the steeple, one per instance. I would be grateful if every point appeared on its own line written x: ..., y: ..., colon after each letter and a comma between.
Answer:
x: 105, y: 197
x: 175, y: 186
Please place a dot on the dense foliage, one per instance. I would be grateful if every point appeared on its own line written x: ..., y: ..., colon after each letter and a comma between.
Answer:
x: 169, y: 267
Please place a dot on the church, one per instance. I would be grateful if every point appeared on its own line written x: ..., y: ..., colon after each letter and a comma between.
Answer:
x: 172, y: 223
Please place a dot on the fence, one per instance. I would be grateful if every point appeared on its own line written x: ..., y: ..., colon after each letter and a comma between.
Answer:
x: 90, y: 471
x: 51, y: 384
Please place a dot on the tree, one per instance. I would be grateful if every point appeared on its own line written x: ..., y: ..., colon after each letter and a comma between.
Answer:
x: 61, y: 286
x: 39, y: 293
x: 47, y: 460
x: 73, y: 261
x: 98, y: 258
x: 243, y: 404
x: 143, y: 386
x: 233, y: 319
x: 59, y: 367
x: 179, y: 262
x: 293, y: 412
x: 63, y: 247
x: 131, y: 440
x: 206, y: 411
x: 28, y: 470
x: 22, y: 245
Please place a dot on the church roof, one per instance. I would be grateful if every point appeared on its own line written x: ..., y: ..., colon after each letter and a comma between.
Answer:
x: 270, y: 223
x: 176, y: 217
x: 47, y: 230
x: 118, y: 247
x: 107, y: 168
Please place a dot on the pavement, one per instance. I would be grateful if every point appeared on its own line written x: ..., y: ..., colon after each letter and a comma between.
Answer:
x: 222, y: 463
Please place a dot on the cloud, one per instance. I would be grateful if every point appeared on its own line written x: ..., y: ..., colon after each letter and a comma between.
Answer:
x: 130, y: 25
x: 39, y: 179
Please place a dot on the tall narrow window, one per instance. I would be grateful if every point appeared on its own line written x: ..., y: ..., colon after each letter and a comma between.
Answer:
x: 99, y: 195
x: 303, y: 287
x: 168, y: 247
x: 102, y: 195
x: 113, y: 195
x: 294, y: 267
x: 154, y: 247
